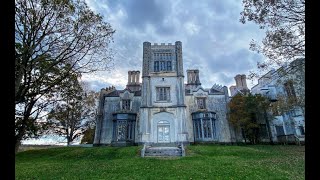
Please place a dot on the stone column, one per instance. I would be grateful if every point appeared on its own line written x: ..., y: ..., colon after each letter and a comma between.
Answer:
x: 129, y: 77
x: 244, y: 81
x: 145, y: 73
x: 197, y: 77
x: 138, y: 77
x: 178, y: 45
x: 133, y: 77
x: 238, y: 81
x: 146, y: 58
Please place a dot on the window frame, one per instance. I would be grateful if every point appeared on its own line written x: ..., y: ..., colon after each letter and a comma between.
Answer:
x: 156, y: 66
x: 126, y: 103
x: 203, y: 100
x: 163, y: 94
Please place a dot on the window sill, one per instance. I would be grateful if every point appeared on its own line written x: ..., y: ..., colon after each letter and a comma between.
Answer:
x: 162, y: 101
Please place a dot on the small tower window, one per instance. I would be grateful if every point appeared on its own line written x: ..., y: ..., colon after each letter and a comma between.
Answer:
x: 162, y: 66
x: 290, y: 90
x: 126, y: 104
x: 169, y: 67
x: 201, y: 103
x: 163, y: 93
x: 156, y: 66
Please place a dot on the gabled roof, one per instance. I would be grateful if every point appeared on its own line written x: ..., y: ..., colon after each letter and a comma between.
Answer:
x: 116, y: 93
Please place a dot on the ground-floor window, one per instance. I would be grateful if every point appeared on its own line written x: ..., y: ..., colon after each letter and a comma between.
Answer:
x: 301, y: 130
x: 204, y: 126
x: 263, y: 131
x: 279, y: 130
x: 124, y: 126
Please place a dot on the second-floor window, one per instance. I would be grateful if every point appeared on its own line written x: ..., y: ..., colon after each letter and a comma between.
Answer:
x: 162, y: 66
x: 201, y: 103
x: 126, y: 104
x: 288, y: 86
x: 163, y: 93
x: 169, y: 67
x: 156, y: 66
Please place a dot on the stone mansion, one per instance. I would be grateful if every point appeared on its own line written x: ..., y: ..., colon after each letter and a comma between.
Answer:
x: 162, y: 109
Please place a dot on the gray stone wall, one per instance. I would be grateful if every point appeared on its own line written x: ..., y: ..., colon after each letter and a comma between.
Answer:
x: 216, y: 103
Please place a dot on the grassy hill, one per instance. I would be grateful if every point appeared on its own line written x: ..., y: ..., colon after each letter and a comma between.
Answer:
x: 201, y: 162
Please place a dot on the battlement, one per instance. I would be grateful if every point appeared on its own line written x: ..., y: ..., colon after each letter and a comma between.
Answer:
x: 162, y: 45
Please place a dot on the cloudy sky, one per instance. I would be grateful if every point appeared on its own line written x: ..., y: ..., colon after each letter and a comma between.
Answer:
x: 213, y: 39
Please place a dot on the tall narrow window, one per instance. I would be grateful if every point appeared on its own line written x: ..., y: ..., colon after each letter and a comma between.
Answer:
x: 201, y: 103
x: 162, y: 65
x: 169, y: 67
x: 156, y: 66
x: 126, y: 104
x: 163, y: 93
x: 301, y: 130
x: 290, y: 90
x: 263, y: 131
x: 279, y: 130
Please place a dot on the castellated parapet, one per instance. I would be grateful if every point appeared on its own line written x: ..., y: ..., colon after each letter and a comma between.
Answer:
x: 162, y: 46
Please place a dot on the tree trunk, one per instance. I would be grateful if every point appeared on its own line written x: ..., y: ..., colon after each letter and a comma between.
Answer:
x: 22, y: 129
x: 268, y: 127
x: 17, y: 145
x: 244, y: 136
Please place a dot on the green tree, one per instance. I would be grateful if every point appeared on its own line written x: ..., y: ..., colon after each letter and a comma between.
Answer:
x: 75, y: 114
x: 284, y: 21
x: 246, y: 113
x: 88, y: 136
x: 54, y: 40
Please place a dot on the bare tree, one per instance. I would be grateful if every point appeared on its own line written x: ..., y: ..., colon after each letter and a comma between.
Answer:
x: 284, y: 21
x: 54, y: 39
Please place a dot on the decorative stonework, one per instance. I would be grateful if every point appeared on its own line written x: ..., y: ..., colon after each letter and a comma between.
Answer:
x: 150, y: 112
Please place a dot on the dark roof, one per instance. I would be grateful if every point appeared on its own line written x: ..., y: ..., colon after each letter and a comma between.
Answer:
x: 137, y: 93
x: 116, y: 93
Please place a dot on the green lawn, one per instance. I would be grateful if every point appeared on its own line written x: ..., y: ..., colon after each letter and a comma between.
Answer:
x: 201, y: 162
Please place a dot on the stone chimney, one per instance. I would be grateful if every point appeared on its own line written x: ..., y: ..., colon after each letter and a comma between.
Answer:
x: 241, y: 82
x: 133, y: 80
x: 193, y: 79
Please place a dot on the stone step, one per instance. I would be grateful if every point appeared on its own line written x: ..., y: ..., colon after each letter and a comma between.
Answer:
x: 162, y: 151
x: 164, y: 144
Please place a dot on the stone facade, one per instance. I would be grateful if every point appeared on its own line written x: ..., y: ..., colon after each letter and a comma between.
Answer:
x: 162, y: 109
x: 282, y: 84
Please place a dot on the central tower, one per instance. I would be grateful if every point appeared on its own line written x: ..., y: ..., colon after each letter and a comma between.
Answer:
x: 163, y: 109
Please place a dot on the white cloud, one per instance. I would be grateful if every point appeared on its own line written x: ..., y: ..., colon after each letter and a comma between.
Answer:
x: 214, y: 41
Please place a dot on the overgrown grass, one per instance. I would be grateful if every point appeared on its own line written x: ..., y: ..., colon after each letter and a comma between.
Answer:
x: 201, y: 162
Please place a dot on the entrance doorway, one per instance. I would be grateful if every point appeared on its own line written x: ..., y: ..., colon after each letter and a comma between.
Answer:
x: 163, y: 132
